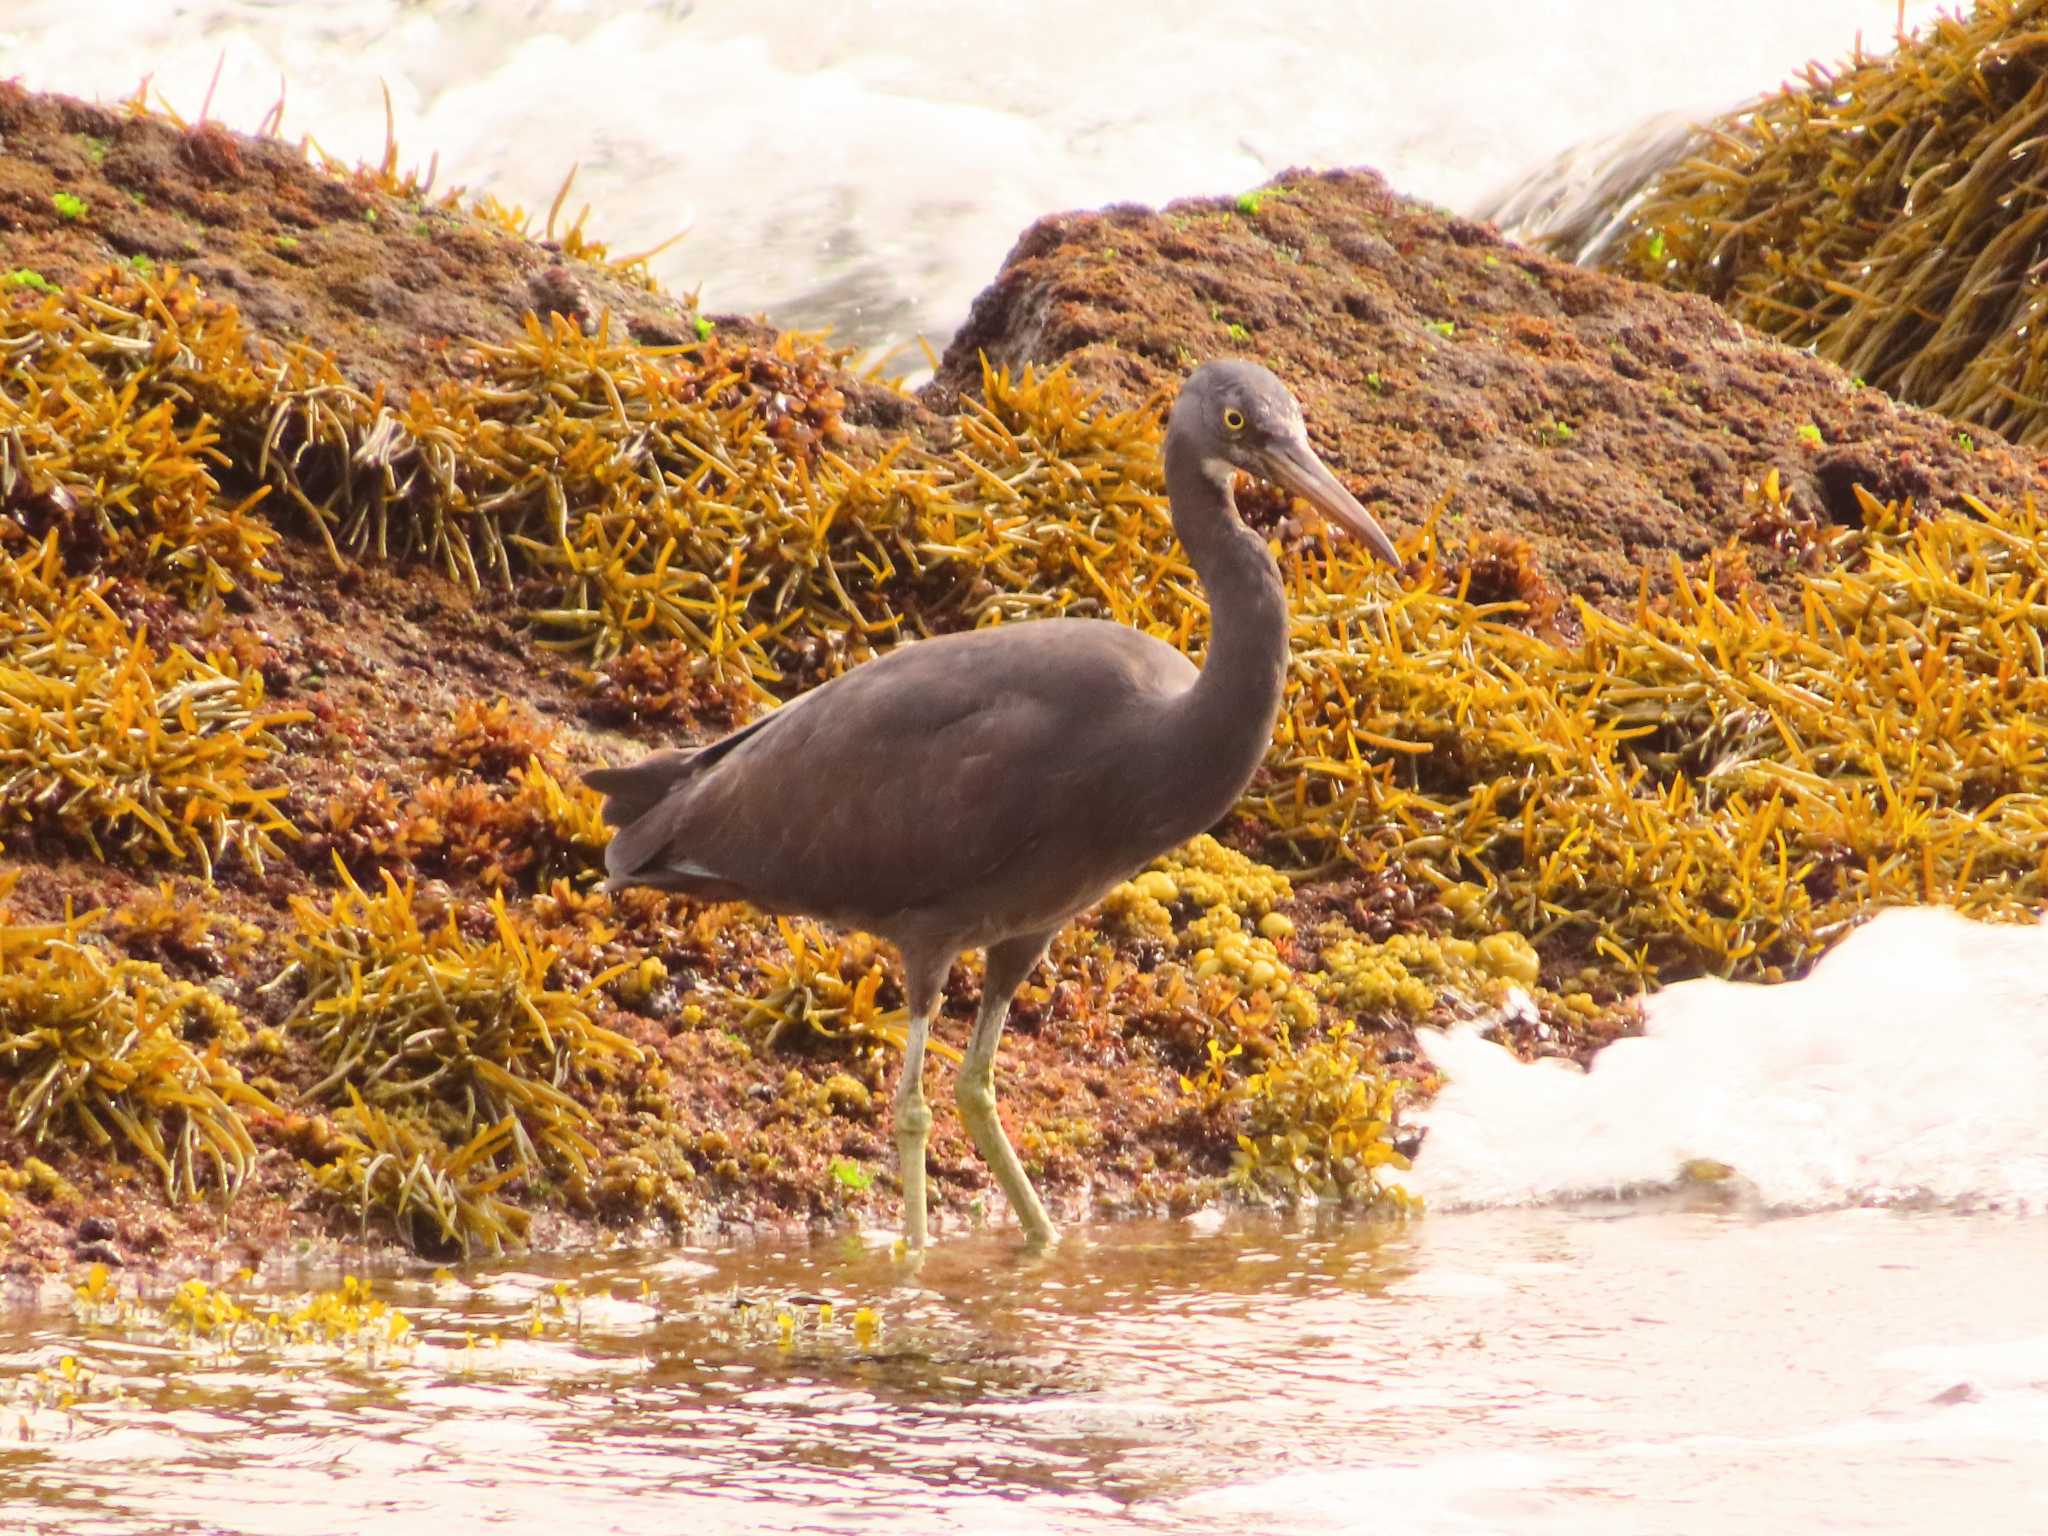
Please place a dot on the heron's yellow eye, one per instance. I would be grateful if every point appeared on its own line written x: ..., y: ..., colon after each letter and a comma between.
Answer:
x: 1233, y: 418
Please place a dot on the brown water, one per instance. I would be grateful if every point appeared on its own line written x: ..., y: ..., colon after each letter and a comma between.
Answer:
x: 1588, y: 1370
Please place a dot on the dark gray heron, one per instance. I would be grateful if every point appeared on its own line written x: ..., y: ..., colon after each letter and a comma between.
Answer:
x: 976, y: 791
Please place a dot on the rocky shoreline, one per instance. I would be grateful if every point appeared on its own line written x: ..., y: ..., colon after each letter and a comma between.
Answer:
x: 406, y: 483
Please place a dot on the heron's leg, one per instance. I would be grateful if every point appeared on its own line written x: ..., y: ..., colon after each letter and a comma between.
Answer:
x: 924, y: 979
x: 1008, y: 964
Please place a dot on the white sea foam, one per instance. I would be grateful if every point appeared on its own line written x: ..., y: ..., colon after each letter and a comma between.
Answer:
x: 869, y: 165
x: 1910, y: 1065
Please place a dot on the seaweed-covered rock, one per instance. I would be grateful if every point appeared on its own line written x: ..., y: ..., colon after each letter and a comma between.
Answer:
x: 1448, y: 374
x: 1888, y: 213
x: 345, y: 561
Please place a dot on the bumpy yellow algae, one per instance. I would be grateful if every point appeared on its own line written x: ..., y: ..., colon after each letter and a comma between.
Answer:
x: 1222, y: 947
x: 48, y: 1185
x: 1143, y: 904
x: 1408, y: 973
x: 842, y: 1094
x: 1224, y: 888
x: 638, y: 986
x: 347, y: 1317
x: 1201, y: 874
x: 654, y: 1174
x: 1360, y: 977
x: 1210, y: 875
x: 1403, y: 976
x: 1510, y: 957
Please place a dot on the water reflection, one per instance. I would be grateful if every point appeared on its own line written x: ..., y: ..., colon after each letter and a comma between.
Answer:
x: 1525, y: 1371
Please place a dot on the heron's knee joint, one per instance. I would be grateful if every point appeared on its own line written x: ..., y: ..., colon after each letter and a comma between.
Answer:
x: 976, y: 1096
x: 913, y: 1121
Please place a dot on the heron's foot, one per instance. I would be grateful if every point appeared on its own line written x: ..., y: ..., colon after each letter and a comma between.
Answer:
x: 913, y: 1130
x: 976, y: 1094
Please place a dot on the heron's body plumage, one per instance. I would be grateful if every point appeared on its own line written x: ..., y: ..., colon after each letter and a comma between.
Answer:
x: 958, y: 790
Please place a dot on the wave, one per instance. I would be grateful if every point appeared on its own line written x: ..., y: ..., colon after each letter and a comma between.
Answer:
x: 1910, y: 1066
x: 868, y: 166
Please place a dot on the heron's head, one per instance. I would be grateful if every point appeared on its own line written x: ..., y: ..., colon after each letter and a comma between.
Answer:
x: 1236, y: 415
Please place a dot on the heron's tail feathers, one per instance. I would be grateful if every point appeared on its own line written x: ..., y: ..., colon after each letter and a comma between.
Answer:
x: 640, y: 800
x: 631, y: 792
x: 635, y: 800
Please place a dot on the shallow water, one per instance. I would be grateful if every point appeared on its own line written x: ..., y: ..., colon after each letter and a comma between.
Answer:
x: 1602, y: 1368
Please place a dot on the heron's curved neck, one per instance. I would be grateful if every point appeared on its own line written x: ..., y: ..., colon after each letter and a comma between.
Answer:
x: 1223, y: 725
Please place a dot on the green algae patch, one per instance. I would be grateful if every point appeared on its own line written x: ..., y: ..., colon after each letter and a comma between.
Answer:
x: 414, y: 1013
x: 105, y: 444
x: 128, y: 749
x: 1887, y: 212
x: 116, y: 1055
x: 438, y: 1198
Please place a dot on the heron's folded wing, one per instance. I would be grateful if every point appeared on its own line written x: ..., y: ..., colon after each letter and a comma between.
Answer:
x: 913, y: 778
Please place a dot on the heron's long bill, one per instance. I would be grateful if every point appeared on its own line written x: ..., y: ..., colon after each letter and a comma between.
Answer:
x: 1295, y: 466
